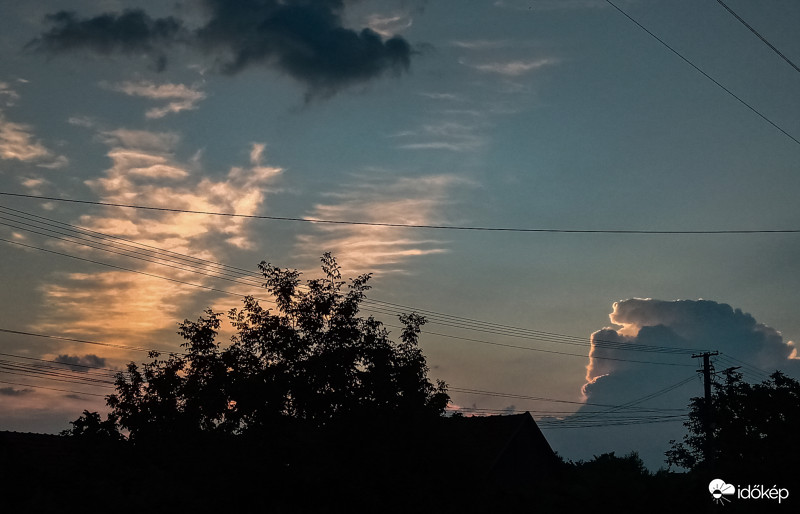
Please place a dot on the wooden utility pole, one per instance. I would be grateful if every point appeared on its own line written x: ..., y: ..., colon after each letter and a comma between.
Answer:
x: 708, y: 415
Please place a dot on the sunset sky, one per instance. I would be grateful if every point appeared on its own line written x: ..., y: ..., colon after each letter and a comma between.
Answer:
x: 552, y: 114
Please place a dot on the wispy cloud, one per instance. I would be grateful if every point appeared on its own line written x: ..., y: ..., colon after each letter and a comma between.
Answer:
x: 376, y: 199
x: 121, y: 306
x: 179, y: 97
x: 7, y: 95
x: 17, y: 142
x: 446, y: 135
x: 453, y: 97
x: 513, y: 68
x: 81, y: 121
x: 481, y: 44
x: 389, y: 25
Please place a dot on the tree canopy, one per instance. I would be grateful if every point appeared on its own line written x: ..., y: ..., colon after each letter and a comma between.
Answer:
x: 314, y: 360
x: 754, y: 428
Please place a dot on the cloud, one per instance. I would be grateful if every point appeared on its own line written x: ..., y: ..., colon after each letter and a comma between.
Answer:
x: 388, y: 26
x: 653, y: 324
x: 444, y: 135
x: 7, y: 95
x: 17, y: 142
x: 699, y: 324
x: 513, y: 68
x: 10, y: 391
x: 82, y: 364
x: 132, y: 32
x: 124, y: 307
x: 179, y: 97
x: 82, y: 121
x: 482, y: 44
x: 361, y: 248
x: 304, y: 39
x: 443, y: 96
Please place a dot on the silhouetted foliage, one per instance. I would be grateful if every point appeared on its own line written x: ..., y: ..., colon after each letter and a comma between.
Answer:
x: 315, y: 360
x: 755, y: 427
x: 89, y: 426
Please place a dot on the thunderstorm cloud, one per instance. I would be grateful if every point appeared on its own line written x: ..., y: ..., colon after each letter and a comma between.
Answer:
x: 647, y: 354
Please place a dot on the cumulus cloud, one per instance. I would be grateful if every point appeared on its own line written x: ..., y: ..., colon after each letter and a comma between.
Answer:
x: 305, y: 39
x: 701, y: 324
x: 179, y: 97
x: 652, y: 324
x: 81, y: 363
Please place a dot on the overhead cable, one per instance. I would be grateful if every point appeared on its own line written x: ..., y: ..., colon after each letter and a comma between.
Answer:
x: 411, y: 225
x: 762, y: 38
x: 706, y: 75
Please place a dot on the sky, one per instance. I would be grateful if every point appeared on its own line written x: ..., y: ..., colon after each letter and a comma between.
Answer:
x: 539, y: 114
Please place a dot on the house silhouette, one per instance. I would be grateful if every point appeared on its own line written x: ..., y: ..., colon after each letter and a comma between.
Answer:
x: 508, y: 450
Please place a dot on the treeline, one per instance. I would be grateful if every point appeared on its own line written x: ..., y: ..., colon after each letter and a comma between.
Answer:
x: 314, y: 408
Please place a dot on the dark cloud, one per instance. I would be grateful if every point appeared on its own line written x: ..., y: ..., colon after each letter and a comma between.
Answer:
x: 132, y: 33
x: 700, y: 324
x: 77, y: 363
x: 10, y: 391
x: 303, y: 38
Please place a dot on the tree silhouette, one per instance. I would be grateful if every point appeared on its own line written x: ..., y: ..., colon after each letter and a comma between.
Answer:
x: 755, y: 428
x: 90, y: 427
x: 315, y: 360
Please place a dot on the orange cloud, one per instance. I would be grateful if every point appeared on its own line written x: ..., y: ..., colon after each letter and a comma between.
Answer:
x: 122, y: 307
x: 417, y: 201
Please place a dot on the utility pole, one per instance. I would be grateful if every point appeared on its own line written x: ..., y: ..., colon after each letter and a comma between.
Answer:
x: 708, y: 415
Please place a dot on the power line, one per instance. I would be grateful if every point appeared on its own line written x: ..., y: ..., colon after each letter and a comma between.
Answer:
x: 437, y: 318
x: 747, y: 369
x: 111, y: 244
x: 70, y: 365
x: 609, y: 417
x: 762, y: 38
x: 660, y: 392
x: 120, y: 246
x: 122, y: 268
x: 415, y: 226
x: 698, y: 69
x: 51, y: 388
x: 516, y: 396
x: 82, y: 341
x: 528, y: 348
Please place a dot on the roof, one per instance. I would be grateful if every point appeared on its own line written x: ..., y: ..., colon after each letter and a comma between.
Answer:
x: 507, y: 448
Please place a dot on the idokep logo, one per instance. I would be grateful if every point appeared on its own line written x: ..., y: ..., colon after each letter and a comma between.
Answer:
x: 719, y: 489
